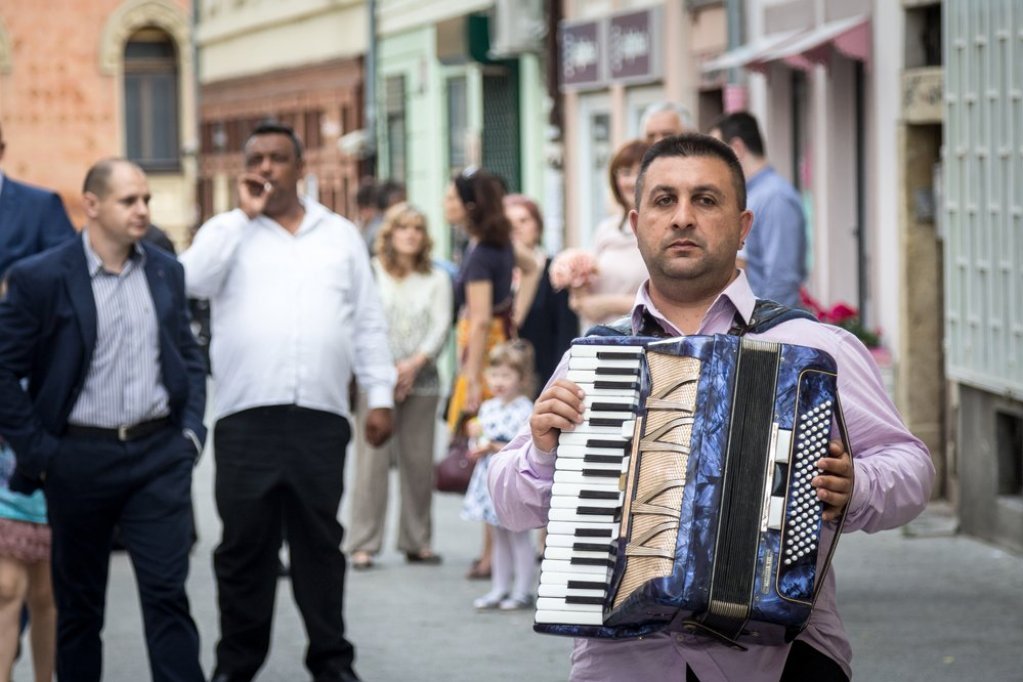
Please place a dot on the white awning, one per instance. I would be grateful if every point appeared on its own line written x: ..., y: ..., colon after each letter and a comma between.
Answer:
x: 744, y: 54
x: 850, y: 37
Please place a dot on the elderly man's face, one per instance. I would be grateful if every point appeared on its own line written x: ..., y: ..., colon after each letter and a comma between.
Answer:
x: 661, y: 125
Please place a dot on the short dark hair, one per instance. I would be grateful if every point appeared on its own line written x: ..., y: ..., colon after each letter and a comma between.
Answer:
x: 366, y: 195
x: 389, y: 193
x: 694, y: 145
x: 743, y: 125
x: 97, y: 178
x: 272, y: 127
x: 482, y: 194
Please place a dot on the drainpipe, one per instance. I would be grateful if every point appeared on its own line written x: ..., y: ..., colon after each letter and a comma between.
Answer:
x: 370, y: 91
x: 735, y: 88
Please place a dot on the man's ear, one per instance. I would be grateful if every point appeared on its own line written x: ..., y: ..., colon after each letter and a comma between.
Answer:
x: 634, y: 220
x: 745, y: 224
x: 91, y: 204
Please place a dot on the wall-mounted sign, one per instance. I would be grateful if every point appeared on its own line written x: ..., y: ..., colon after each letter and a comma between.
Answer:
x: 634, y: 45
x: 582, y: 53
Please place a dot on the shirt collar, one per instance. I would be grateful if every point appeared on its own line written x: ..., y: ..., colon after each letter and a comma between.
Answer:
x: 759, y: 176
x: 137, y: 257
x: 737, y: 297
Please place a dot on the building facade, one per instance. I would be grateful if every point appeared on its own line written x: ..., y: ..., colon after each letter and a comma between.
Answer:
x: 461, y: 84
x: 101, y: 78
x: 981, y: 230
x: 300, y: 63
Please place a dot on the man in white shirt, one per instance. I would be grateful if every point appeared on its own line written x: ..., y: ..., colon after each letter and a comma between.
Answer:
x: 295, y: 314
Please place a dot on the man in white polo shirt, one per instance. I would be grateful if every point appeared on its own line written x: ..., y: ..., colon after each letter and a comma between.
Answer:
x: 294, y: 315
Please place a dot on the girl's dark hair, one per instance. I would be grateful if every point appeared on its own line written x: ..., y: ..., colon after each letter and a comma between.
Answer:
x: 482, y: 194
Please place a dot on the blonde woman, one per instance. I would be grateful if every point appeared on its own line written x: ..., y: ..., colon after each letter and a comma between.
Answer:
x: 417, y: 303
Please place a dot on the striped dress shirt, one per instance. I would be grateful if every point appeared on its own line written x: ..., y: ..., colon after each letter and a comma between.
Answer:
x: 124, y: 384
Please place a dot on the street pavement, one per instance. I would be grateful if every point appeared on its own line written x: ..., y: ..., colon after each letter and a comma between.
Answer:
x: 920, y: 604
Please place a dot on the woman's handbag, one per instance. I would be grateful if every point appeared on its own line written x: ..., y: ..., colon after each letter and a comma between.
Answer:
x: 452, y: 474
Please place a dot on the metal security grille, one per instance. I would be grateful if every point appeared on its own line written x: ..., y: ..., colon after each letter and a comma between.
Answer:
x: 501, y: 126
x: 983, y: 159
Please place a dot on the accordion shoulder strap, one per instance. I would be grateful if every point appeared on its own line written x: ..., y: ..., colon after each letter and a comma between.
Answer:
x: 766, y: 315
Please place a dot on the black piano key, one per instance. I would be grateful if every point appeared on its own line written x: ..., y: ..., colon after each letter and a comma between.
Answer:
x: 780, y: 480
x: 587, y: 561
x: 604, y: 459
x: 602, y: 473
x: 603, y: 421
x: 584, y: 600
x: 615, y: 355
x: 586, y: 585
x: 617, y: 371
x: 596, y: 511
x: 597, y: 495
x: 593, y: 532
x: 590, y: 547
x: 624, y: 385
x: 610, y: 444
x: 612, y: 407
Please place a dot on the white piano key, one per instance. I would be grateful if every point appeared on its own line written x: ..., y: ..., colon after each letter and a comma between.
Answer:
x: 590, y: 414
x: 568, y: 553
x: 594, y: 430
x: 570, y: 451
x: 592, y: 363
x: 569, y: 502
x: 589, y: 389
x: 580, y: 582
x: 581, y: 478
x: 622, y: 402
x: 586, y: 376
x: 572, y: 515
x: 560, y: 540
x: 578, y: 464
x: 559, y: 604
x: 562, y: 591
x: 583, y: 570
x: 775, y: 512
x: 583, y: 350
x: 573, y: 489
x: 782, y: 445
x: 569, y: 617
x: 577, y: 438
x: 581, y: 528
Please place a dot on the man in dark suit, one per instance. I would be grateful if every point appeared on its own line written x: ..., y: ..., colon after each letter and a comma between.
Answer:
x: 31, y: 219
x: 109, y: 422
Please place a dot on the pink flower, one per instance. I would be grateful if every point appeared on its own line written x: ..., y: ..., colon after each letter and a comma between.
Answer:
x: 841, y: 312
x: 572, y: 268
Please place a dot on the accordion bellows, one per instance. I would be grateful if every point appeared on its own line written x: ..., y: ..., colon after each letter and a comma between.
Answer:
x: 716, y: 528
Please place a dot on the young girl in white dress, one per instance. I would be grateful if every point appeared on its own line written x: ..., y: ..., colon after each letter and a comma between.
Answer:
x: 508, y: 374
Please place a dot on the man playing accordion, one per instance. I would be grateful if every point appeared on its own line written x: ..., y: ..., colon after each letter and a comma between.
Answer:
x: 690, y: 221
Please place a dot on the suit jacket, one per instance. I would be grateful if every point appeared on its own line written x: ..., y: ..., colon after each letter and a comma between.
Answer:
x: 48, y: 333
x: 31, y: 220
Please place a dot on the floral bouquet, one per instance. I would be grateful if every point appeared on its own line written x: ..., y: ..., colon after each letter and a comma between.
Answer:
x: 572, y: 268
x: 842, y: 315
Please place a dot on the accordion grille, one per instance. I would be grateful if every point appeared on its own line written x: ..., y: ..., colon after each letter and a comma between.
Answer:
x: 657, y: 475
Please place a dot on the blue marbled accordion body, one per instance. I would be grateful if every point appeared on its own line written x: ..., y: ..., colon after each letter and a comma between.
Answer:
x: 746, y: 507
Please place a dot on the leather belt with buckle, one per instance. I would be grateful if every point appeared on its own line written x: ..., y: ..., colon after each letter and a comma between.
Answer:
x: 120, y: 433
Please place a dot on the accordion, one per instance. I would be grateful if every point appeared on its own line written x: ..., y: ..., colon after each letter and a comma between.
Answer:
x: 683, y: 501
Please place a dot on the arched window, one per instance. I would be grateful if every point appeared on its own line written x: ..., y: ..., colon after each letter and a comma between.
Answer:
x: 151, y: 100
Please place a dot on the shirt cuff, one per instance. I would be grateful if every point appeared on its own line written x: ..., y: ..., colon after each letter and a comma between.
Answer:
x: 541, y: 461
x: 190, y: 435
x: 860, y: 491
x: 380, y: 397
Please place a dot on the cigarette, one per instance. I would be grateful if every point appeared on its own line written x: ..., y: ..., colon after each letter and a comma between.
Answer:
x: 267, y: 187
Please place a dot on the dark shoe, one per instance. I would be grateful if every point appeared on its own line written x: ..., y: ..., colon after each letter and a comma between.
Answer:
x: 425, y: 557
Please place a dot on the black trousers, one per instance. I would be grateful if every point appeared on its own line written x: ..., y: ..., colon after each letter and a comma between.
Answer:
x: 144, y: 487
x: 280, y: 469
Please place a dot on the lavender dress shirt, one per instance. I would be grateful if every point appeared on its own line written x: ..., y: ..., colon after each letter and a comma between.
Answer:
x: 893, y: 477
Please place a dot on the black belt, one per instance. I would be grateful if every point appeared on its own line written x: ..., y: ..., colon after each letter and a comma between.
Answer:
x: 120, y: 433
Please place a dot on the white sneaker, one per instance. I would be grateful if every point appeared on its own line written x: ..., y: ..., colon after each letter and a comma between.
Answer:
x: 489, y: 601
x: 516, y: 603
